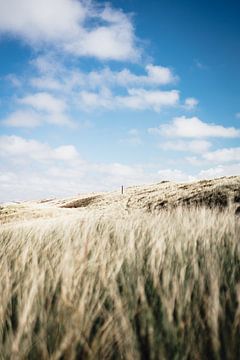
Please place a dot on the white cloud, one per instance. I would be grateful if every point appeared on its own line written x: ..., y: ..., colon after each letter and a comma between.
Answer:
x: 60, y: 119
x: 140, y: 99
x: 195, y: 161
x: 219, y: 156
x: 133, y: 138
x: 92, y: 100
x: 174, y: 175
x: 195, y: 146
x: 190, y: 103
x: 45, y: 82
x: 223, y: 155
x: 155, y: 75
x: 23, y: 118
x: 48, y: 64
x: 62, y: 24
x: 41, y: 21
x: 59, y: 181
x: 209, y: 173
x: 67, y: 86
x: 116, y: 170
x: 100, y: 88
x: 33, y: 169
x: 45, y: 102
x: 194, y: 128
x: 137, y: 99
x: 159, y: 75
x: 31, y: 119
x: 14, y: 80
x: 15, y: 147
x: 38, y: 109
x: 220, y: 170
x: 116, y: 42
x: 56, y: 77
x: 65, y: 152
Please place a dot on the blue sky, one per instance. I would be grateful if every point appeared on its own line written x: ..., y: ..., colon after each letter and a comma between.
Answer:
x: 94, y: 95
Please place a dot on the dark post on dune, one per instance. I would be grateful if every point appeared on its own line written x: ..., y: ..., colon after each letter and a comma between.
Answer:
x: 122, y: 189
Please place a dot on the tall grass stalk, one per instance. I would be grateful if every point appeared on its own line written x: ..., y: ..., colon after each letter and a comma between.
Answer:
x: 164, y: 286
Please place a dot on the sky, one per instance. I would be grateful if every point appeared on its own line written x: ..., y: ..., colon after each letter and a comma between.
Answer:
x: 95, y: 94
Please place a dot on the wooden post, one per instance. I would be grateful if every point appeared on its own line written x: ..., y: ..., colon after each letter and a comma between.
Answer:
x: 122, y: 189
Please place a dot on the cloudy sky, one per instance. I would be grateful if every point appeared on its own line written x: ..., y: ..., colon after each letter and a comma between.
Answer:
x: 95, y: 94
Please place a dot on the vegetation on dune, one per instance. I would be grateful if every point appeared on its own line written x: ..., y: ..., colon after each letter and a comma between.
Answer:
x: 164, y: 286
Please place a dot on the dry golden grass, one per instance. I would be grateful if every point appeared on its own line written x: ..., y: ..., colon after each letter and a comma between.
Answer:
x: 133, y: 286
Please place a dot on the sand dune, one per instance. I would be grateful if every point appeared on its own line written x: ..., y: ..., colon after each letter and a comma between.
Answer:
x: 217, y: 193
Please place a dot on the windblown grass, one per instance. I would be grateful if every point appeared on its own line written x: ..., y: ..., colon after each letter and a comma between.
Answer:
x: 163, y: 286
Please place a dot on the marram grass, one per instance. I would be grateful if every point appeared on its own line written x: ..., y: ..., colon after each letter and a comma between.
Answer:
x: 163, y: 286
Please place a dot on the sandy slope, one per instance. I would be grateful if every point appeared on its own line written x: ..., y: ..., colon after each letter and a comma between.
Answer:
x: 221, y: 193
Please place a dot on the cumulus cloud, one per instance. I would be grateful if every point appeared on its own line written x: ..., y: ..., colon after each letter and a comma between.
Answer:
x: 223, y: 155
x: 174, y: 175
x: 46, y: 83
x: 209, y: 173
x: 39, y: 109
x: 137, y: 99
x: 63, y: 88
x: 76, y: 27
x: 190, y: 103
x: 23, y: 118
x: 14, y: 80
x: 158, y: 75
x: 15, y: 147
x: 140, y: 99
x: 100, y: 88
x: 30, y: 119
x: 60, y: 88
x: 155, y: 75
x: 56, y: 77
x: 194, y: 128
x: 195, y: 146
x: 44, y: 101
x: 220, y: 170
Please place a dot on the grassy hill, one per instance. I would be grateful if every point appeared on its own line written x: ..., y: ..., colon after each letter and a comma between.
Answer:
x: 221, y: 193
